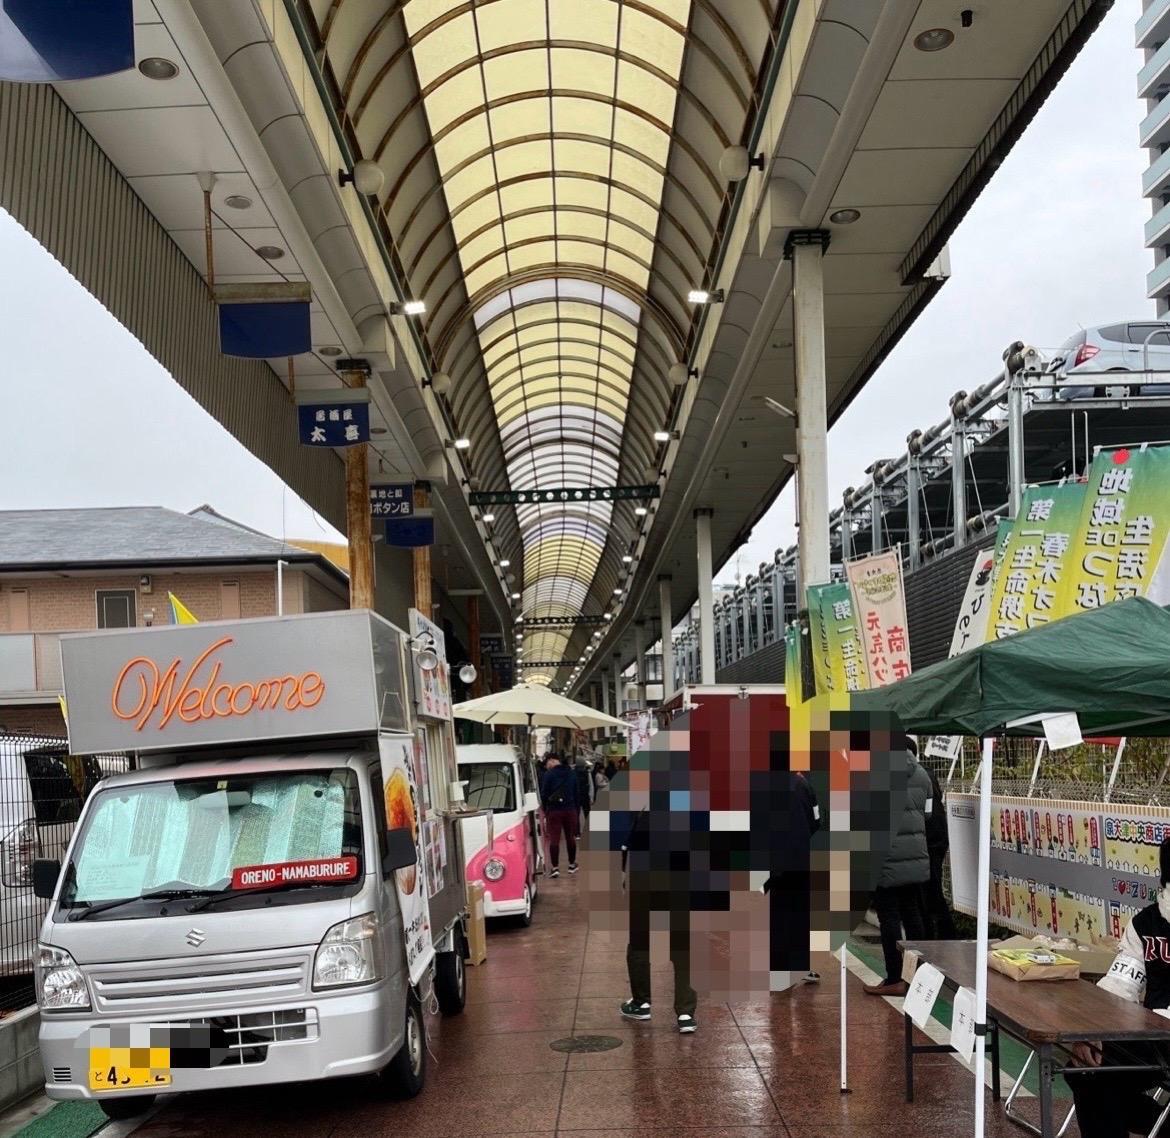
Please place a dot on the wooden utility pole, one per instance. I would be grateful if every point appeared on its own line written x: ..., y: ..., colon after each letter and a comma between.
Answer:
x: 358, y: 524
x: 422, y: 557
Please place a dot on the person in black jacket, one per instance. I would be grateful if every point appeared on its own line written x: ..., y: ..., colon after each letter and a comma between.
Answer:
x: 657, y: 880
x: 940, y: 925
x: 558, y: 796
x: 1115, y: 1104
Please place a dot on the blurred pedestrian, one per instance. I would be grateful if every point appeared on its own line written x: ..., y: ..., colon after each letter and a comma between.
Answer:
x: 898, y: 898
x: 940, y: 924
x: 558, y: 796
x: 584, y: 793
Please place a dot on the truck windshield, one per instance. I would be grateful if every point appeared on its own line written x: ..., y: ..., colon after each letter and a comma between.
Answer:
x: 490, y: 786
x: 154, y: 842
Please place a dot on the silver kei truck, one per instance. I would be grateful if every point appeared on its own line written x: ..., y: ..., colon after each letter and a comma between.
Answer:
x: 277, y: 893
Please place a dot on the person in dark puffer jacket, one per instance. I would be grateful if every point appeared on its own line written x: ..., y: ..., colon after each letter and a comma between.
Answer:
x: 898, y: 899
x: 1114, y: 1104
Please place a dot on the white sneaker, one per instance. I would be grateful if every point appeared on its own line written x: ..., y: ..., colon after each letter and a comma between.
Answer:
x: 687, y: 1025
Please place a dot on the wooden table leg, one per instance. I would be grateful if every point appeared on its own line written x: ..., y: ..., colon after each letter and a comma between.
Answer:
x: 1044, y: 1054
x: 909, y: 1047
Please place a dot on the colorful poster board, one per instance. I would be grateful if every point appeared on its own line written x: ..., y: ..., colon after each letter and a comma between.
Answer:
x: 403, y: 810
x: 838, y: 657
x: 1078, y: 869
x: 432, y: 686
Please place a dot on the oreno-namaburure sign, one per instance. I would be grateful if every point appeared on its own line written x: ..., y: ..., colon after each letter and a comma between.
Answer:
x: 324, y: 674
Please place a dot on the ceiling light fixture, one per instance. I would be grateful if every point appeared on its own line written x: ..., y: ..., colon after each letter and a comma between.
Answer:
x: 237, y: 201
x: 934, y: 39
x: 155, y: 67
x: 705, y: 296
x: 617, y: 592
x: 462, y: 444
x: 329, y: 350
x: 844, y: 216
x: 270, y: 252
x: 641, y: 511
x: 504, y: 563
x: 627, y: 558
x: 489, y: 518
x: 367, y: 177
x: 407, y: 307
x: 377, y: 430
x: 609, y: 616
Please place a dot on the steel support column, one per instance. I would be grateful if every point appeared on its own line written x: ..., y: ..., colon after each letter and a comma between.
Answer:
x: 706, y: 598
x: 618, y: 685
x: 876, y: 541
x: 605, y: 691
x: 807, y: 249
x: 959, y: 479
x: 640, y: 663
x: 913, y: 508
x: 666, y: 624
x: 1015, y: 443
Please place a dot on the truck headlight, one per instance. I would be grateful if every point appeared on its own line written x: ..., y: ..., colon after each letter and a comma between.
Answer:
x: 61, y: 987
x: 494, y: 868
x: 349, y: 953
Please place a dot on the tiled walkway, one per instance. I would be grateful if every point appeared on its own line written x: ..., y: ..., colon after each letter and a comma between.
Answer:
x: 769, y: 1068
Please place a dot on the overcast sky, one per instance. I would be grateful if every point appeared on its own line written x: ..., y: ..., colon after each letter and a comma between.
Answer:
x: 1055, y: 242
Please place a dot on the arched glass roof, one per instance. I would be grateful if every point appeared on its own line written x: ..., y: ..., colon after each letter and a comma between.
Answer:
x: 552, y: 189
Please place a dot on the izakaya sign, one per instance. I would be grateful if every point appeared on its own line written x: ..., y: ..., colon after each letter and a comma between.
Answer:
x: 880, y: 604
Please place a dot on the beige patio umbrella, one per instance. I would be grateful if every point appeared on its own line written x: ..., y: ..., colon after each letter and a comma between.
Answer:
x: 533, y: 705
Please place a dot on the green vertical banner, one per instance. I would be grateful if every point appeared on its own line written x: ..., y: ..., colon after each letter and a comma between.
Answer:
x: 792, y: 680
x: 838, y: 656
x: 1036, y: 560
x: 1117, y: 551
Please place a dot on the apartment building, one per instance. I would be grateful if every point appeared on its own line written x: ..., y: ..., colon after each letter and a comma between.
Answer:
x: 74, y: 570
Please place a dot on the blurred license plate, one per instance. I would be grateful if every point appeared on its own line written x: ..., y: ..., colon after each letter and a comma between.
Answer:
x: 121, y: 1058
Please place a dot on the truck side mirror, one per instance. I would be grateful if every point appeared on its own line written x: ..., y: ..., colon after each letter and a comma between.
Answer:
x: 400, y: 850
x: 45, y: 872
x: 531, y: 802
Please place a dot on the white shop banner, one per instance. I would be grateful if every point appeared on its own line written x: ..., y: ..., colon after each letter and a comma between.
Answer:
x: 971, y: 625
x: 880, y: 604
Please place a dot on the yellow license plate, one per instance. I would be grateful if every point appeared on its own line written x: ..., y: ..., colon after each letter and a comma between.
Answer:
x: 123, y: 1068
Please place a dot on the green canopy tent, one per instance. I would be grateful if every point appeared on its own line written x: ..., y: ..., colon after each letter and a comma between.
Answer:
x: 1110, y: 666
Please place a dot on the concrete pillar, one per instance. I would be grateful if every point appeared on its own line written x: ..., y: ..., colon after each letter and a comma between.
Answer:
x: 605, y: 691
x: 706, y: 598
x: 666, y: 620
x: 618, y: 685
x: 807, y: 248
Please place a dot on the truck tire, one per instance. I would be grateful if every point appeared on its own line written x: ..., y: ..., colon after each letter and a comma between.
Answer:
x: 403, y: 1077
x: 125, y: 1106
x: 451, y: 977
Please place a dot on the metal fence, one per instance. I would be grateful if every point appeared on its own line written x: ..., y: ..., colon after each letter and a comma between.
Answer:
x: 42, y: 790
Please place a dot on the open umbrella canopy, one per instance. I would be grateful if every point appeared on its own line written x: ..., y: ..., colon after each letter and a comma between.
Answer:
x: 1110, y: 665
x: 533, y: 705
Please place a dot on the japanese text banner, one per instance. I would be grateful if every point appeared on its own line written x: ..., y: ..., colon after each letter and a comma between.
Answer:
x: 838, y: 655
x: 1123, y: 527
x: 1029, y: 579
x: 880, y: 604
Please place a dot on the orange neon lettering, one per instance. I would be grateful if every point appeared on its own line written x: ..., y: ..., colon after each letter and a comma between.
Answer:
x: 142, y: 688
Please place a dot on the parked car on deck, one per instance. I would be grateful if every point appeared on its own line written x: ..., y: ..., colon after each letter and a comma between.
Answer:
x: 1134, y: 346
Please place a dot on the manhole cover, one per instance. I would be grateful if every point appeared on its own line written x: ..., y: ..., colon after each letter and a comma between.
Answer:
x: 586, y: 1043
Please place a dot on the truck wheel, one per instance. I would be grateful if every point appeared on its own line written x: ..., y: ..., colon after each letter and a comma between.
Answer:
x: 403, y: 1077
x: 128, y: 1106
x: 525, y: 918
x: 451, y: 977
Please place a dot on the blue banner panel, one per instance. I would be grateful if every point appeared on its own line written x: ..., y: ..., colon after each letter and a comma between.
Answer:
x: 392, y: 500
x: 410, y: 533
x: 45, y: 41
x: 265, y: 331
x: 333, y: 424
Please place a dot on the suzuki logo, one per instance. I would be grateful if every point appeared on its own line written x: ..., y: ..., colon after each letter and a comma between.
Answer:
x: 195, y: 937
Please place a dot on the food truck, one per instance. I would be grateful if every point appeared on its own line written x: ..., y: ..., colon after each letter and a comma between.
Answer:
x: 276, y: 893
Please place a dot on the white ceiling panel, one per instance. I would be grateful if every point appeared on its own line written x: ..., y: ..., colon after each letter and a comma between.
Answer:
x: 177, y: 201
x: 163, y: 140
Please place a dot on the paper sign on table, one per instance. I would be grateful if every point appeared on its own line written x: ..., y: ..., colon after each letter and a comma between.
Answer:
x: 963, y: 1023
x: 924, y: 990
x: 1062, y: 731
x: 910, y: 960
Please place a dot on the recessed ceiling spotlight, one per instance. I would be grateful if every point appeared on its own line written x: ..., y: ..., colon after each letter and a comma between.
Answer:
x: 155, y: 67
x: 329, y: 350
x: 844, y: 216
x: 934, y: 39
x: 237, y: 201
x: 377, y: 430
x: 270, y: 252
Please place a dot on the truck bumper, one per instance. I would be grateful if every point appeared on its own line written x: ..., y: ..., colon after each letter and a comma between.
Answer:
x: 344, y: 1034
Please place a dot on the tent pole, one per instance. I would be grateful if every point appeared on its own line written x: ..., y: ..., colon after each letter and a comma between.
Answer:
x: 1116, y: 768
x: 982, y: 891
x: 1036, y: 766
x: 844, y: 1024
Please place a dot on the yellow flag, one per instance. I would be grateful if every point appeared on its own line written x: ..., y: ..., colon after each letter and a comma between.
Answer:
x: 181, y: 613
x: 64, y: 709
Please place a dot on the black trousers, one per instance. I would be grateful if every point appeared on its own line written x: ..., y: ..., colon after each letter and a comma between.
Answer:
x: 898, y: 907
x: 789, y: 916
x: 940, y: 924
x: 642, y: 903
x: 1115, y: 1105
